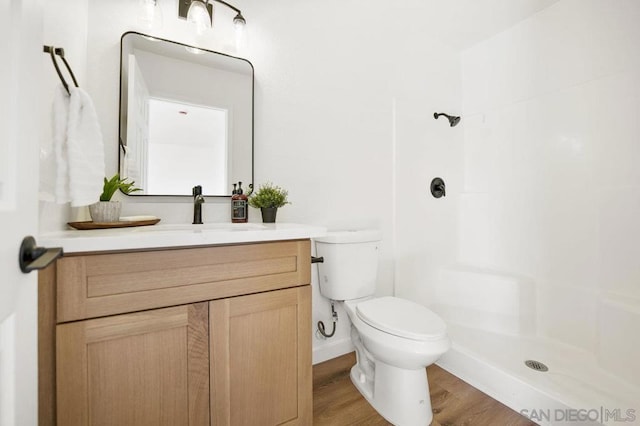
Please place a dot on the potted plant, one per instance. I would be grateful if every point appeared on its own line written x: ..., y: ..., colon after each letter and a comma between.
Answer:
x: 268, y: 198
x: 106, y: 210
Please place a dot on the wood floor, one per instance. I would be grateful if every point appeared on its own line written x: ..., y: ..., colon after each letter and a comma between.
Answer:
x: 337, y: 402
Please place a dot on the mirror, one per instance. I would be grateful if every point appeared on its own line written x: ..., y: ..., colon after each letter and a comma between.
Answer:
x: 186, y: 118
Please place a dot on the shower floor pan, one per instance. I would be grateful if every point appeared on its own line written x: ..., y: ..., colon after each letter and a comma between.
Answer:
x: 574, y: 386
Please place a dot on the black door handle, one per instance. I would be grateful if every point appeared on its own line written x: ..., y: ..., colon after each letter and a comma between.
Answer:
x: 32, y: 257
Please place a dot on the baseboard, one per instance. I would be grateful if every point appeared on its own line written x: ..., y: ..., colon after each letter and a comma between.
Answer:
x: 332, y: 349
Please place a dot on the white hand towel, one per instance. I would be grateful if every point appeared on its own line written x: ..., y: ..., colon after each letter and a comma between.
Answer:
x: 72, y: 166
x: 54, y: 177
x: 85, y: 150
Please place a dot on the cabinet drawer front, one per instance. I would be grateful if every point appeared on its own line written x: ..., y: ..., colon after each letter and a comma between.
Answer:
x: 92, y: 286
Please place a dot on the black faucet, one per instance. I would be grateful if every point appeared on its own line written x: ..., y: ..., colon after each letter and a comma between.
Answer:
x: 198, y: 199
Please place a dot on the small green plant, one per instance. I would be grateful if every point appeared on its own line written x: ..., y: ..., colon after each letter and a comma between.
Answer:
x: 268, y: 195
x: 112, y: 185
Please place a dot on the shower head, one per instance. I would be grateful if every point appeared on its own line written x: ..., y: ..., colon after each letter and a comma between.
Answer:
x: 453, y: 120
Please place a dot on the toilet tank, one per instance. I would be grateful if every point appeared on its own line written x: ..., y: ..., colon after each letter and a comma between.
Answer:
x: 350, y: 266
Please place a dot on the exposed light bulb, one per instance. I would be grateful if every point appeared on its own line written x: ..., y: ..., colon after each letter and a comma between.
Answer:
x: 198, y: 15
x: 239, y: 21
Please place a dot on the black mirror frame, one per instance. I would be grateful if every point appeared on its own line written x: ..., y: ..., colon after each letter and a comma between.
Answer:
x: 121, y: 144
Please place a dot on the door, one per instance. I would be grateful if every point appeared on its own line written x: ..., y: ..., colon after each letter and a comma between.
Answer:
x: 20, y: 115
x: 149, y: 368
x: 261, y: 359
x: 136, y: 157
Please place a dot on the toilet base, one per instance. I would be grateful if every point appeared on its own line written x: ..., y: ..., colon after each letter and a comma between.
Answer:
x: 399, y: 395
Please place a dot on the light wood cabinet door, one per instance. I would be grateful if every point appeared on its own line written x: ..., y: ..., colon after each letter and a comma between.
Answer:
x: 261, y: 359
x: 146, y: 368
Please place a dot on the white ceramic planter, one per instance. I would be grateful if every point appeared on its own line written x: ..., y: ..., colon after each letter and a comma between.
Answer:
x: 105, y: 211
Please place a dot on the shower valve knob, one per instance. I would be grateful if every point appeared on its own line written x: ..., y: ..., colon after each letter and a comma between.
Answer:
x: 438, y: 188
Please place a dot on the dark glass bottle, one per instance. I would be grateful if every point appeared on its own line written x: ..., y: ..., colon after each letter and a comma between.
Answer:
x: 239, y: 206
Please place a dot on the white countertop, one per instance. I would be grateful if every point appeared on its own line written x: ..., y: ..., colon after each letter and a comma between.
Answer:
x: 176, y: 235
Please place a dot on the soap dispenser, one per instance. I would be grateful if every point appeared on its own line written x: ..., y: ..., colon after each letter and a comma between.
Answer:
x: 239, y: 206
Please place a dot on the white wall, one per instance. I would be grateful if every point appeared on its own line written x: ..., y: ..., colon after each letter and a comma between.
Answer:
x: 335, y: 101
x: 425, y: 148
x: 330, y: 100
x: 552, y: 183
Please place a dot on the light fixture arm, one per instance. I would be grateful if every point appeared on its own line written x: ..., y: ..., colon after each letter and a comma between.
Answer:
x: 183, y: 8
x: 238, y: 19
x: 229, y: 6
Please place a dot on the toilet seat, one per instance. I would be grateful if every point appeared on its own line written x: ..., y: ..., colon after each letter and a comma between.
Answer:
x: 401, y: 318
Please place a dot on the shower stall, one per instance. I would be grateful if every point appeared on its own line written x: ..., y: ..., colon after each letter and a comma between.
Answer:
x: 543, y: 208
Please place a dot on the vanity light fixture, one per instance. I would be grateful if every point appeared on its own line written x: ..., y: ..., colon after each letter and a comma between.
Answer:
x: 200, y: 12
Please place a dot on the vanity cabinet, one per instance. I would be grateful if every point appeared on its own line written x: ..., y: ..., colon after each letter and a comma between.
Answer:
x: 215, y: 335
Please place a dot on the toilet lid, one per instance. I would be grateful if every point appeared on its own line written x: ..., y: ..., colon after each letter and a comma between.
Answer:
x: 402, y: 318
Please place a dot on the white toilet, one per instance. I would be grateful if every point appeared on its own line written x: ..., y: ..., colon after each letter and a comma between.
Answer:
x: 395, y: 339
